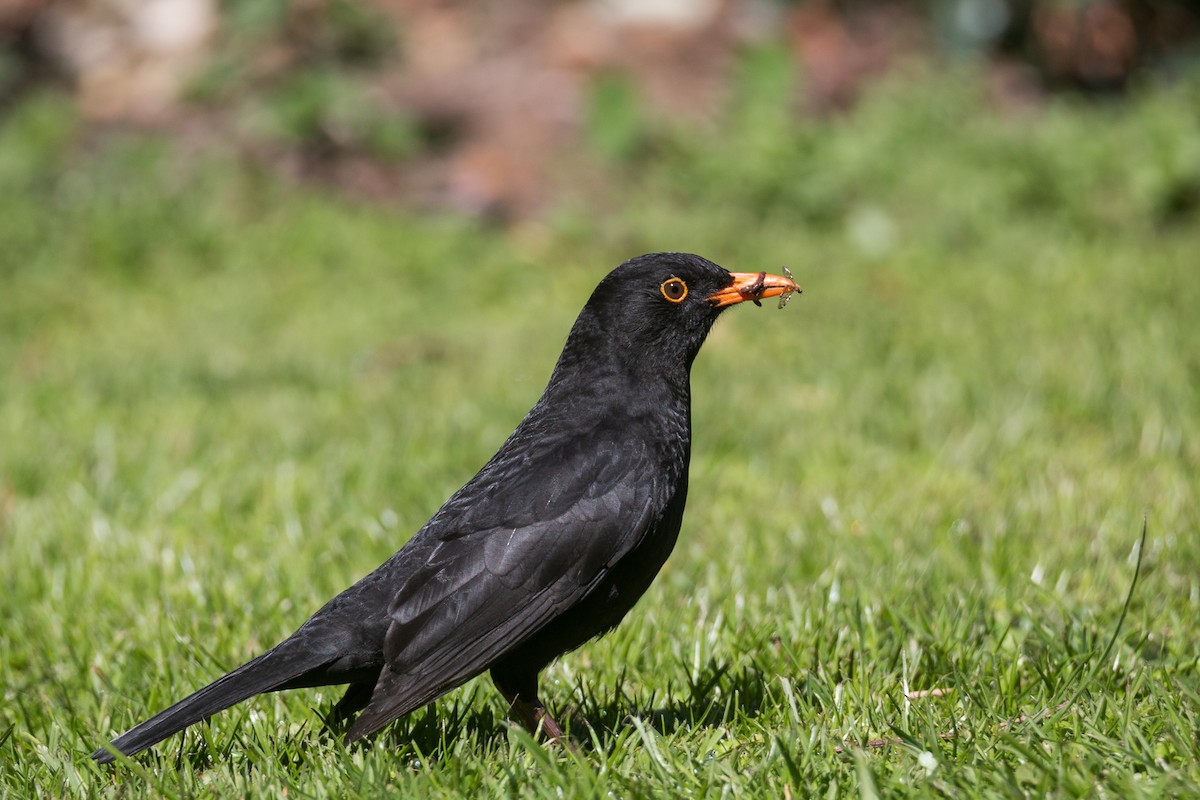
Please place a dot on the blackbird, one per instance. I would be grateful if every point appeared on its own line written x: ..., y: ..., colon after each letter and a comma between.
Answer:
x: 550, y: 545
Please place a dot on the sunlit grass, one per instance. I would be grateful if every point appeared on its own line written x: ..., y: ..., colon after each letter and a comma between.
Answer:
x: 915, y: 495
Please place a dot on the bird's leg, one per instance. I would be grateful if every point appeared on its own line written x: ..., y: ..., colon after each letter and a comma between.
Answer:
x: 529, y: 709
x: 533, y: 714
x: 356, y: 698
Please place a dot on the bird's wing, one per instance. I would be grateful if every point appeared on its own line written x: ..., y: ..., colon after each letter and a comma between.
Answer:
x: 482, y: 592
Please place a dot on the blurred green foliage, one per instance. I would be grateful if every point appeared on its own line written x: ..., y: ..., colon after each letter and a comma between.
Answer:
x: 617, y: 126
x: 320, y: 94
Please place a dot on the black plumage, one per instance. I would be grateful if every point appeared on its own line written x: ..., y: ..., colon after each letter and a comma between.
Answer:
x: 549, y: 545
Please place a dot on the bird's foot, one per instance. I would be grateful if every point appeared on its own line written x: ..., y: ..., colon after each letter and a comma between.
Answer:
x: 534, y: 716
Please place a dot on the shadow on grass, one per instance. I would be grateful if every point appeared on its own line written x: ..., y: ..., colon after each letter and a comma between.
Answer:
x: 713, y: 695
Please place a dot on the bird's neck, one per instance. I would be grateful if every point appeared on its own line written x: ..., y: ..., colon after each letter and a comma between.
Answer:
x: 599, y: 377
x: 613, y: 358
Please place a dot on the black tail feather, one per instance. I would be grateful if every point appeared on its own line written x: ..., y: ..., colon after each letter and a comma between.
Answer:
x: 263, y: 674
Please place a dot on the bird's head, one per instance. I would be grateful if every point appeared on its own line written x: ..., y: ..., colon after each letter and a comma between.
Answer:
x: 657, y: 309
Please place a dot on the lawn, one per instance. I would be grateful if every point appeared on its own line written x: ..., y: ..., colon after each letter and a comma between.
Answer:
x: 916, y: 496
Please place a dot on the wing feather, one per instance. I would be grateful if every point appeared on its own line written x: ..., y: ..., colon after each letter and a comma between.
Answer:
x: 481, y: 593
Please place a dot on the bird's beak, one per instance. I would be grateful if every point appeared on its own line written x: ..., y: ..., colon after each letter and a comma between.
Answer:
x: 752, y: 286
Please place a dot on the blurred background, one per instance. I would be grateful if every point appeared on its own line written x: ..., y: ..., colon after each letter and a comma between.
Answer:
x: 495, y: 108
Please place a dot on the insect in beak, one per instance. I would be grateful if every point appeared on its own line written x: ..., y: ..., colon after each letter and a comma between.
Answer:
x: 787, y: 295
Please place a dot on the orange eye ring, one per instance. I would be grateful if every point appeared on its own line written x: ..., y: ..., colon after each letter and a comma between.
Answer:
x: 674, y: 289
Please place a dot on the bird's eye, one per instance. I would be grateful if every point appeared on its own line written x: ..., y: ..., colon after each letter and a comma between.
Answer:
x: 674, y: 290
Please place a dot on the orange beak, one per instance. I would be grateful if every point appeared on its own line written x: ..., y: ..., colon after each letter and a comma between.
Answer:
x: 754, y: 286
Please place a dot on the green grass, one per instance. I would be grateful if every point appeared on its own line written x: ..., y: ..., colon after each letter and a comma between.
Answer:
x: 223, y: 399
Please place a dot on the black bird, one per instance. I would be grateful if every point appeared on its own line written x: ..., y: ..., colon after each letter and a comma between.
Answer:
x: 550, y: 545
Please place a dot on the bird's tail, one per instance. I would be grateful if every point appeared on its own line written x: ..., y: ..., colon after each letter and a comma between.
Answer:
x: 263, y: 674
